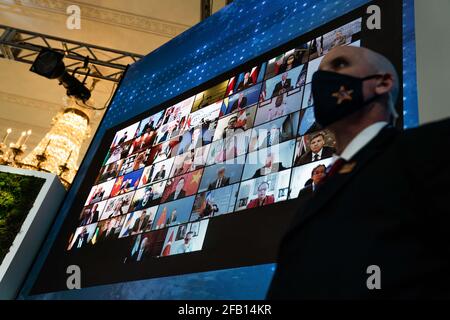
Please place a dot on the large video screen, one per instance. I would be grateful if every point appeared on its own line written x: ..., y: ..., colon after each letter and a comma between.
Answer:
x: 211, y: 179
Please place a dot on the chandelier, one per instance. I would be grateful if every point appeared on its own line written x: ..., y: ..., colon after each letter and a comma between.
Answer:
x: 58, y: 151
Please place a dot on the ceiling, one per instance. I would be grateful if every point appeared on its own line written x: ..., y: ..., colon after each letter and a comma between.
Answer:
x: 28, y: 101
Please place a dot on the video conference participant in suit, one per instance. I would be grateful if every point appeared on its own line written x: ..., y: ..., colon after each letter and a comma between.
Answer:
x: 220, y: 181
x: 94, y: 214
x: 140, y: 223
x: 247, y: 82
x: 317, y: 175
x: 145, y: 200
x: 231, y: 129
x: 222, y: 174
x: 103, y: 229
x: 82, y: 238
x: 282, y: 86
x: 270, y: 166
x: 358, y: 217
x: 143, y: 252
x: 318, y: 150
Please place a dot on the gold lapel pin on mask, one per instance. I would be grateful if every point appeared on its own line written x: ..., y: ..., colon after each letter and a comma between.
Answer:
x: 347, y: 168
x: 343, y: 95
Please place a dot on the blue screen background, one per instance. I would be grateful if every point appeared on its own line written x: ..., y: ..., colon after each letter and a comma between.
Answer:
x: 237, y: 33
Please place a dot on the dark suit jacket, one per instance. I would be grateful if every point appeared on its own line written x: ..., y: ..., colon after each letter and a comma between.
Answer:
x: 140, y: 203
x: 95, y: 216
x: 101, y: 235
x: 306, y: 192
x: 136, y: 226
x: 279, y: 86
x: 242, y: 86
x: 327, y: 152
x: 81, y: 237
x: 391, y: 210
x: 237, y: 106
x: 160, y: 175
x: 225, y: 181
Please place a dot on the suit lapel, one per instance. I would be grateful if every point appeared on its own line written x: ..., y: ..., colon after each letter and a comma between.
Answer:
x: 334, y: 184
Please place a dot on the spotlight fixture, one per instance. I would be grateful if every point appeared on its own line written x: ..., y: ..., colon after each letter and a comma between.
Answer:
x: 49, y: 64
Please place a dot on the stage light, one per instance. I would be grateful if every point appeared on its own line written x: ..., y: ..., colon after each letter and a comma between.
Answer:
x: 49, y: 64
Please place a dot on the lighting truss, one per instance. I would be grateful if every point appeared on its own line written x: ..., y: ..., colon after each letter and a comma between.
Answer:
x: 107, y: 64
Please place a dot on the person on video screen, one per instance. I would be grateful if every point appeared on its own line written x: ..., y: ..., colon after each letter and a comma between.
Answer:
x: 377, y: 224
x: 220, y: 181
x: 82, y: 238
x: 269, y: 166
x: 98, y: 195
x: 273, y: 137
x: 208, y: 208
x: 172, y: 219
x: 279, y: 108
x: 240, y: 103
x: 247, y: 82
x: 143, y: 252
x: 232, y: 128
x: 94, y: 214
x: 139, y: 223
x: 318, y: 150
x: 282, y: 86
x: 317, y: 174
x: 186, y: 246
x: 161, y: 173
x: 263, y: 199
x: 288, y: 64
x: 146, y: 199
x: 123, y: 139
x: 179, y: 191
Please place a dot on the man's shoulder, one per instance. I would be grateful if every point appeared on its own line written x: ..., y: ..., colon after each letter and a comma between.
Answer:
x: 306, y: 190
x: 437, y: 127
x: 429, y: 138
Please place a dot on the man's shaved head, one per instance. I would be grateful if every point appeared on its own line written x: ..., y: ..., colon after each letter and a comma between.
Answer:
x: 380, y: 89
x: 362, y: 62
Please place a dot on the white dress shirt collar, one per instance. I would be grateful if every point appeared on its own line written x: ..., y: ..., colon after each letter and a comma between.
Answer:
x: 318, y: 153
x: 361, y: 140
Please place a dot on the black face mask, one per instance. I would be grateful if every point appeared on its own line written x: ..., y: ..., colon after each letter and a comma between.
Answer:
x: 336, y: 96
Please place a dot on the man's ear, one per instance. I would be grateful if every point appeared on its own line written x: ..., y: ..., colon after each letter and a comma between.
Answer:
x: 385, y: 85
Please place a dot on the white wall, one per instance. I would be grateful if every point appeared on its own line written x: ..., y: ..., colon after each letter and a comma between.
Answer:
x: 433, y: 58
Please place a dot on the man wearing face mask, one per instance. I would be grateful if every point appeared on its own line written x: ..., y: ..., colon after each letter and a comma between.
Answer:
x: 377, y: 225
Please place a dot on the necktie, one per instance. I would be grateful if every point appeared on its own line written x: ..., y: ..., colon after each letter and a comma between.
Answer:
x: 335, y: 167
x: 316, y: 157
x: 218, y: 183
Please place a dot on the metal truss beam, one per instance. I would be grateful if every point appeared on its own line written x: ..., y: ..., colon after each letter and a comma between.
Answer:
x: 23, y: 46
